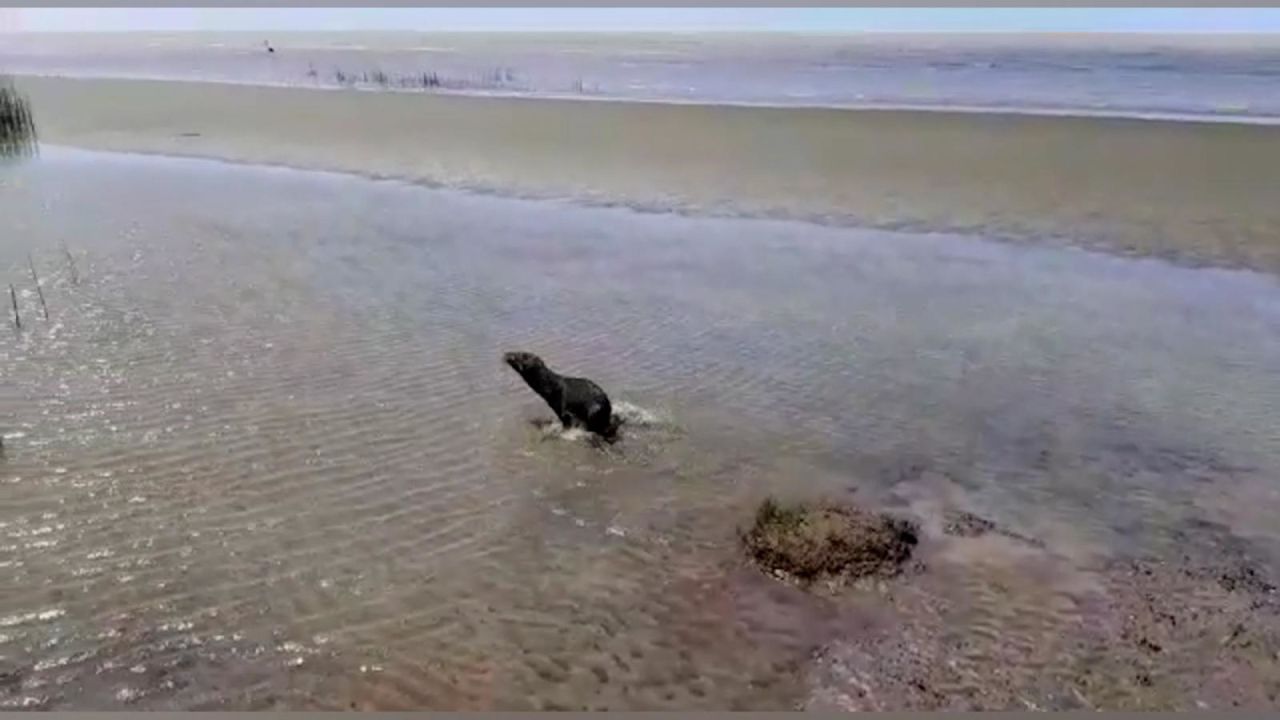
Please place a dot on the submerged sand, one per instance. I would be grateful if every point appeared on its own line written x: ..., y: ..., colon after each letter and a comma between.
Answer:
x: 1195, y: 192
x: 263, y: 453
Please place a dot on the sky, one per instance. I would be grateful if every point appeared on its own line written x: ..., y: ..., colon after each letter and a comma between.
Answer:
x: 647, y: 19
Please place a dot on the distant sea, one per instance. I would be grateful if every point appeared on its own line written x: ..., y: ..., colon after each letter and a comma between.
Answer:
x: 1225, y: 77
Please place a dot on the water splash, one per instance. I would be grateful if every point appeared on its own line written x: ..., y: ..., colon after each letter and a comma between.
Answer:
x: 636, y: 416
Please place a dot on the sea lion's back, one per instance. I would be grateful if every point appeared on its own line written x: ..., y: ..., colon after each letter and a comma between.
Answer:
x: 589, y: 400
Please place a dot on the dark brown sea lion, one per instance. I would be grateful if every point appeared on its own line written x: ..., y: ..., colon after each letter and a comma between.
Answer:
x: 577, y: 402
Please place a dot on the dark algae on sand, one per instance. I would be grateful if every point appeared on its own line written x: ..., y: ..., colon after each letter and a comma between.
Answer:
x: 828, y: 541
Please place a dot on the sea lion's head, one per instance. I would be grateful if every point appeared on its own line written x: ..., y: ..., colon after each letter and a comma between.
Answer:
x: 523, y: 362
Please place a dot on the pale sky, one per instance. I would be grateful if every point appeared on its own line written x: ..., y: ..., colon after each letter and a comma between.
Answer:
x: 778, y: 19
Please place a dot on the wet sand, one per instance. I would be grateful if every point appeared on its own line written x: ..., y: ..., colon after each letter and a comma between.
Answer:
x: 264, y: 454
x: 1198, y: 193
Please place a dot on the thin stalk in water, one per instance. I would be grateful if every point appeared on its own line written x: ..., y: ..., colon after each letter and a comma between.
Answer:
x: 13, y: 298
x: 71, y: 265
x: 36, y: 278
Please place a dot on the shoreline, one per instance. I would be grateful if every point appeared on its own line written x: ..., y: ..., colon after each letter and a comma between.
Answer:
x: 1225, y: 117
x: 1049, y: 244
x: 1191, y: 192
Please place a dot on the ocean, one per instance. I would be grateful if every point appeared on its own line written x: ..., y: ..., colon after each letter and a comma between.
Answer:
x: 1189, y: 76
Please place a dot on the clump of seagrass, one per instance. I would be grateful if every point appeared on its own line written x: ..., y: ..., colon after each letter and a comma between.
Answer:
x: 17, y: 128
x: 828, y: 541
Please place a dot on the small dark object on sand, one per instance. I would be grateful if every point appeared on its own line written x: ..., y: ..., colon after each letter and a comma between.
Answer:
x: 967, y: 525
x: 577, y: 402
x: 828, y: 541
x: 1239, y: 576
x: 962, y: 524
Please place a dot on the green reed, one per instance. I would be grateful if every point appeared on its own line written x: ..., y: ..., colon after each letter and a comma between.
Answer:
x: 17, y: 128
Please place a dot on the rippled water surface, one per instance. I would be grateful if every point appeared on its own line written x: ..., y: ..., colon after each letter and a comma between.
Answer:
x: 263, y: 451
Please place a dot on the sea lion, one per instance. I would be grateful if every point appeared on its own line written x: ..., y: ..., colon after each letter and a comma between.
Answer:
x: 577, y: 402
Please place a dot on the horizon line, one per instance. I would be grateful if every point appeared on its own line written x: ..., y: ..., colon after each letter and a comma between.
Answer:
x: 655, y: 30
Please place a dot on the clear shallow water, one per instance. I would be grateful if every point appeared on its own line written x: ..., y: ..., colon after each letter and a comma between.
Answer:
x: 265, y: 454
x: 1199, y: 76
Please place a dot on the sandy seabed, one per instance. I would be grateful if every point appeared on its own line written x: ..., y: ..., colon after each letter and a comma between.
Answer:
x: 263, y: 453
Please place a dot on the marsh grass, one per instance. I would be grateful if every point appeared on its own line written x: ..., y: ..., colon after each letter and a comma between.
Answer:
x: 17, y: 127
x: 501, y: 78
x: 496, y: 79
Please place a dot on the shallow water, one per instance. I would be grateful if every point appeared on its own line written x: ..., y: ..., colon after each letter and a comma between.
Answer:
x: 264, y: 453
